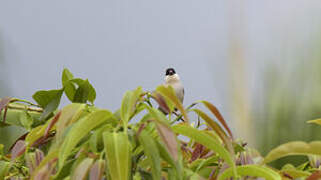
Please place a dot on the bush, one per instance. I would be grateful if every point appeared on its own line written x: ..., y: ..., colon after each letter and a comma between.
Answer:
x: 82, y: 141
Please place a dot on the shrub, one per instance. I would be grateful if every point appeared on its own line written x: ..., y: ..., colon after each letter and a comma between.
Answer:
x: 82, y: 141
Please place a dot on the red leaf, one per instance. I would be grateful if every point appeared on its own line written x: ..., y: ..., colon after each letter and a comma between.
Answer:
x: 218, y: 115
x: 82, y: 169
x: 97, y: 170
x: 169, y: 139
x: 39, y: 156
x: 46, y: 172
x: 18, y: 149
x: 141, y: 127
x: 315, y: 176
x: 52, y: 123
x: 161, y: 102
x: 197, y: 152
x: 23, y: 137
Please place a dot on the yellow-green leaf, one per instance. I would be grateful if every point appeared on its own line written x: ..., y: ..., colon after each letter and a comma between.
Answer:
x: 316, y: 121
x: 80, y: 129
x: 294, y: 173
x: 152, y: 153
x: 294, y: 148
x: 128, y: 104
x: 217, y: 128
x: 169, y: 93
x: 69, y: 114
x: 118, y: 152
x: 251, y: 170
x: 81, y: 171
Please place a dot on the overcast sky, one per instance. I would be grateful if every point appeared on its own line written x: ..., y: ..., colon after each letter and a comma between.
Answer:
x: 119, y: 45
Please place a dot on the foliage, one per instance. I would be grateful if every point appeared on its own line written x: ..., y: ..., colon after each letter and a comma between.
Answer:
x: 289, y: 94
x: 82, y: 141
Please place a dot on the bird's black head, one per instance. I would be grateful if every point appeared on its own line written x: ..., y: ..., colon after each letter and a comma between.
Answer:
x: 170, y: 71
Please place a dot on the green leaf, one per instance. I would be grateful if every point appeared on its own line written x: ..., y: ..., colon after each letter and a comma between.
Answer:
x: 66, y: 76
x: 251, y: 170
x: 79, y: 130
x: 294, y: 148
x: 118, y: 152
x: 200, y: 163
x: 4, y: 169
x: 82, y: 169
x: 206, y: 140
x: 217, y: 128
x: 26, y: 120
x: 70, y: 90
x: 85, y: 92
x: 169, y: 93
x: 189, y: 174
x: 49, y: 100
x: 1, y: 150
x: 129, y: 104
x: 69, y: 87
x: 152, y: 153
x: 43, y: 98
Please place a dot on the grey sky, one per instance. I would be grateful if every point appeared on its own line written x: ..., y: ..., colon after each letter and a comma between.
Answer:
x: 119, y: 45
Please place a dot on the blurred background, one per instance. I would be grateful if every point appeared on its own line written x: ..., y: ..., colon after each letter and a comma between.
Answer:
x: 257, y: 61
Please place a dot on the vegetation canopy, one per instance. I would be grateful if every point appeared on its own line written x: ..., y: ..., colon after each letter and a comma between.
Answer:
x: 83, y: 141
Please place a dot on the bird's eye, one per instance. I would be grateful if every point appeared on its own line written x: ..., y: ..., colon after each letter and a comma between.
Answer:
x: 170, y: 71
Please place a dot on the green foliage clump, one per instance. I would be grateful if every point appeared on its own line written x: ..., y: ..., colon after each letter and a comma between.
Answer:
x: 82, y: 141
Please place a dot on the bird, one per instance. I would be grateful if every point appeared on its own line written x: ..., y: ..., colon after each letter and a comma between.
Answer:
x: 173, y: 79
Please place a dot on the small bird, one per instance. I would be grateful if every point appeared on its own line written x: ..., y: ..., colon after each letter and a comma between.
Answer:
x: 172, y: 79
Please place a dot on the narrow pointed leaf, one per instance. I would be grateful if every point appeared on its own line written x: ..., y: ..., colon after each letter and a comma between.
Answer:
x: 152, y: 153
x: 165, y: 132
x: 118, y: 152
x: 18, y: 149
x: 128, y: 104
x: 206, y: 140
x: 211, y: 123
x: 218, y: 115
x: 80, y: 130
x: 69, y: 114
x: 51, y: 156
x: 97, y: 170
x: 294, y: 148
x: 82, y: 170
x: 251, y: 170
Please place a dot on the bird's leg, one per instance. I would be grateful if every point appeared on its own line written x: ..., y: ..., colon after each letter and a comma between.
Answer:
x: 179, y: 117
